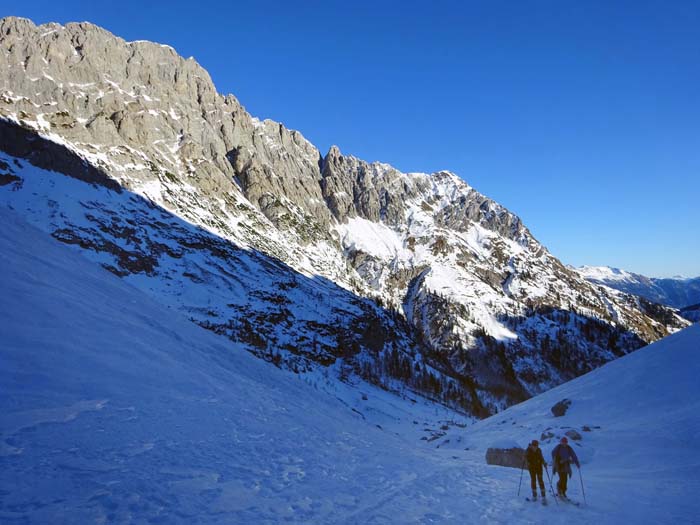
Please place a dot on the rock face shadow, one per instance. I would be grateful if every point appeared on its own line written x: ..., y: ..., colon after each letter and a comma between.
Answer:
x: 290, y: 319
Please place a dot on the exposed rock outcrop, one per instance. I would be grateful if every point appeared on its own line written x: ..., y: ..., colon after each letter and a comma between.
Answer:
x: 506, y: 457
x: 561, y: 407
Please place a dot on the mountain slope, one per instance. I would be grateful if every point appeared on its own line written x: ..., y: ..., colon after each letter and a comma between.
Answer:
x: 675, y: 292
x: 692, y: 312
x: 117, y: 409
x: 470, y: 308
x: 277, y: 313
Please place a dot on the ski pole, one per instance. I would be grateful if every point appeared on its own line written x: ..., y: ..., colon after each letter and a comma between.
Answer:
x: 582, y: 490
x: 521, y: 476
x: 550, y: 485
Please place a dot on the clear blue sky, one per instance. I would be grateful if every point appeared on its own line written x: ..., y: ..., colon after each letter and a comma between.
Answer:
x: 583, y: 117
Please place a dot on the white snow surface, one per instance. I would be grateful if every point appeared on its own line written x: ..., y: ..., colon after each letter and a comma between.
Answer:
x: 115, y: 409
x: 373, y: 238
x: 606, y: 274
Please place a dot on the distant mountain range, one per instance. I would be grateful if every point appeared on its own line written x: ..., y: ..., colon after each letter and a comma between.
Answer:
x: 678, y: 292
x: 317, y: 263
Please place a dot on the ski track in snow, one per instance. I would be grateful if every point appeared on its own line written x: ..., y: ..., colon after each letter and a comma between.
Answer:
x: 115, y: 409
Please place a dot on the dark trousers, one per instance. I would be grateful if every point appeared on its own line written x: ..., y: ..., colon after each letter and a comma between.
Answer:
x: 561, y: 484
x: 536, y: 476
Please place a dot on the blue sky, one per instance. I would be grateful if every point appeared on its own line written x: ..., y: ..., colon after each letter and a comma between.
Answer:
x: 583, y: 117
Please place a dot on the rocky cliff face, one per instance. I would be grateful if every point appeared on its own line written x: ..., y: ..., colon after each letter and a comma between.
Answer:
x: 152, y: 119
x: 414, y: 277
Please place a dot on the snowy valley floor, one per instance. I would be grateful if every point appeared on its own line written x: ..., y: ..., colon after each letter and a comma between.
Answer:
x: 114, y: 409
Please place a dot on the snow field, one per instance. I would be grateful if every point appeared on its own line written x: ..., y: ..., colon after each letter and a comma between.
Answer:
x: 116, y: 409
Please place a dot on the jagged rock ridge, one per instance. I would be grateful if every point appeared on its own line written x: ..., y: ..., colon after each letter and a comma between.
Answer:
x: 465, y: 294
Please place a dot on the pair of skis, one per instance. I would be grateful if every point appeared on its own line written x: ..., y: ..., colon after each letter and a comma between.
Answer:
x: 558, y: 498
x: 567, y: 500
x: 543, y: 500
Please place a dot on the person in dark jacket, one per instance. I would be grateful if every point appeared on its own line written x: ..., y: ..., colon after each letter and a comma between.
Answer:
x: 535, y: 461
x: 562, y: 458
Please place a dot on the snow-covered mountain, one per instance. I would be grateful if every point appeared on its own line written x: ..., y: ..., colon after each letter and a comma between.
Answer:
x: 116, y: 409
x: 677, y: 292
x: 409, y: 281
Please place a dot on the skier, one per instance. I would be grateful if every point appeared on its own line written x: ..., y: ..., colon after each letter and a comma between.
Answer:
x: 562, y: 458
x: 535, y: 461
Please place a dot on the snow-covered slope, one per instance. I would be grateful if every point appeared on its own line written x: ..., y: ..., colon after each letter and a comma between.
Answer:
x: 116, y: 409
x: 678, y: 292
x: 635, y: 424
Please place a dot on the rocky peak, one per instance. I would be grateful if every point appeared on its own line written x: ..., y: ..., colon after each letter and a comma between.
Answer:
x: 380, y: 193
x: 333, y: 154
x: 141, y: 104
x: 375, y: 191
x: 17, y: 27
